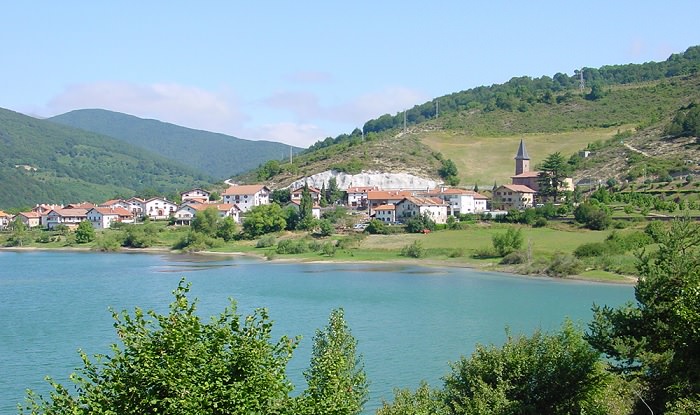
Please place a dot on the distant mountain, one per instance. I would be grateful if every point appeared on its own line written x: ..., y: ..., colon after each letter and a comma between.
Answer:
x: 45, y: 162
x: 217, y: 155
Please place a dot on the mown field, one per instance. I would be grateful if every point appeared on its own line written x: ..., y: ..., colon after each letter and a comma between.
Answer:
x: 483, y: 160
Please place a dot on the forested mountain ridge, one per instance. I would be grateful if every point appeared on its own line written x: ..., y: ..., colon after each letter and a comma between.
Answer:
x: 45, y: 162
x: 217, y: 155
x: 479, y: 128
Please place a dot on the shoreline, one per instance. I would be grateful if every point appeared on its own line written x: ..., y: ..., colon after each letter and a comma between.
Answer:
x: 628, y: 280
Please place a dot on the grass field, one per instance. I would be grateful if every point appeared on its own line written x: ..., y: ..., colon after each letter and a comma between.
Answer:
x: 485, y: 159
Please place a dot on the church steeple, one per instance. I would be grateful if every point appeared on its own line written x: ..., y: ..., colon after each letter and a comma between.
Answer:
x: 522, y: 159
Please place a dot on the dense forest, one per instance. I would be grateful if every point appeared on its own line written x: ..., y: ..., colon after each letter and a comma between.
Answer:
x: 43, y: 162
x: 212, y: 154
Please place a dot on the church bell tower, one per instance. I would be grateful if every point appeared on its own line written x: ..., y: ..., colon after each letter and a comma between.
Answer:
x: 522, y: 159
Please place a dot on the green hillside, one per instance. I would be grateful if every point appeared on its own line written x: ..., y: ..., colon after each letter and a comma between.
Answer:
x: 479, y: 129
x: 217, y: 155
x: 44, y: 162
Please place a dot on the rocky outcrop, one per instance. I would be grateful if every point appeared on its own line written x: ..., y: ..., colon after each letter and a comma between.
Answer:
x: 384, y: 181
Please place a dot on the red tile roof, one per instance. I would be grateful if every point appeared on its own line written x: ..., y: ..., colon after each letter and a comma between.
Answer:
x: 520, y: 188
x: 385, y: 207
x: 248, y: 189
x: 388, y: 194
x: 119, y: 211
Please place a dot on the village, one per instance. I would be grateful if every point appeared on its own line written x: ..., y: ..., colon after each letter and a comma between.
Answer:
x: 390, y: 206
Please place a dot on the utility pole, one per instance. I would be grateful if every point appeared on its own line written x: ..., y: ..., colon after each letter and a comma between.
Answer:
x: 404, y: 121
x: 437, y: 108
x: 581, y: 82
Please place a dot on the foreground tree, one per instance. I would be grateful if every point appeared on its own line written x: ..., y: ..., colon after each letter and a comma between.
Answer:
x: 177, y: 364
x: 552, y: 176
x: 336, y: 380
x: 264, y: 219
x: 85, y: 232
x: 657, y: 340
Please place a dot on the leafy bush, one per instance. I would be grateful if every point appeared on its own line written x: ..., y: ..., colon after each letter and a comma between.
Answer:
x: 328, y: 249
x: 563, y: 265
x: 507, y: 242
x: 266, y: 241
x: 292, y: 246
x: 377, y: 227
x: 414, y: 250
x: 195, y: 241
x: 418, y: 223
x: 515, y: 257
x: 591, y: 249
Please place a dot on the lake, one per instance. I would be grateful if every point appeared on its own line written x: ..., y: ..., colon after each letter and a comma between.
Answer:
x: 410, y: 321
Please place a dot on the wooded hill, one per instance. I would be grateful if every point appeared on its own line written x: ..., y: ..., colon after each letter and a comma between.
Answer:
x: 479, y: 129
x: 217, y: 155
x: 44, y: 162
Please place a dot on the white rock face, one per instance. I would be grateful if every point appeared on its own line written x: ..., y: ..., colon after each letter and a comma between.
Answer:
x: 385, y: 181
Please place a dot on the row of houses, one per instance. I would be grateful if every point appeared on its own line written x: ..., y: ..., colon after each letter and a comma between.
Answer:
x: 389, y: 206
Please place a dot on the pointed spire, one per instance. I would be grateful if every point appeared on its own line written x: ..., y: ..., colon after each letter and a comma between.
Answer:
x: 522, y: 152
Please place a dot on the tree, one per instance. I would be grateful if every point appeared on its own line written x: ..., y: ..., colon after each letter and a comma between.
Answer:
x: 206, y: 221
x: 306, y: 214
x: 597, y: 92
x: 264, y: 219
x: 281, y: 196
x: 337, y: 383
x: 419, y: 223
x: 555, y: 373
x: 551, y: 179
x: 657, y: 340
x: 508, y: 242
x: 325, y: 227
x: 593, y: 217
x: 20, y: 235
x: 333, y: 193
x: 227, y: 229
x: 85, y: 232
x: 448, y: 171
x: 176, y: 363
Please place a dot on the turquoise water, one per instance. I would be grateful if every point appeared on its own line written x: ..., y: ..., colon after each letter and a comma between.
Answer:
x: 409, y: 321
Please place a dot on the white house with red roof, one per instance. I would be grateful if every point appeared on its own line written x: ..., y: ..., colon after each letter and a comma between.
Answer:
x: 385, y: 213
x: 357, y: 195
x: 30, y: 219
x: 158, y: 208
x: 69, y: 217
x: 135, y: 206
x: 295, y: 195
x: 513, y: 196
x: 5, y: 219
x: 247, y: 196
x: 460, y: 200
x: 435, y: 208
x: 377, y: 198
x: 104, y: 217
x: 187, y: 211
x: 197, y: 194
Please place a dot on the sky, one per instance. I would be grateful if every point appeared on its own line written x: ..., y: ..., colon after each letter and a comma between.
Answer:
x: 300, y: 71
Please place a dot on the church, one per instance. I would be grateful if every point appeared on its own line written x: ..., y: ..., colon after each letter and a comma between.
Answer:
x: 522, y: 191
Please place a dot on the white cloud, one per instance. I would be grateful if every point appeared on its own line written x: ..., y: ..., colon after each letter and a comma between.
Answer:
x: 183, y: 105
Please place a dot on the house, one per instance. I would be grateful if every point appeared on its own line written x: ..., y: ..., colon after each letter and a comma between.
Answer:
x: 199, y: 195
x: 459, y: 201
x: 5, y: 219
x: 43, y: 210
x: 247, y: 196
x: 135, y: 206
x: 295, y: 195
x: 116, y: 203
x: 30, y: 219
x: 187, y: 211
x: 376, y: 198
x: 315, y: 209
x: 69, y: 217
x: 357, y: 196
x: 385, y: 213
x: 412, y: 206
x: 512, y: 196
x: 104, y: 217
x: 158, y: 208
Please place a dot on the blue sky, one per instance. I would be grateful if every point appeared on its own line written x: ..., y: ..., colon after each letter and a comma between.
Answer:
x: 300, y: 71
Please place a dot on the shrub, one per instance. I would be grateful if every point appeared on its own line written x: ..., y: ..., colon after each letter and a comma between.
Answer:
x: 507, y: 242
x: 456, y: 253
x: 414, y: 250
x: 540, y: 222
x: 266, y: 242
x: 292, y: 246
x: 515, y: 257
x: 591, y: 249
x: 563, y: 265
x: 328, y: 249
